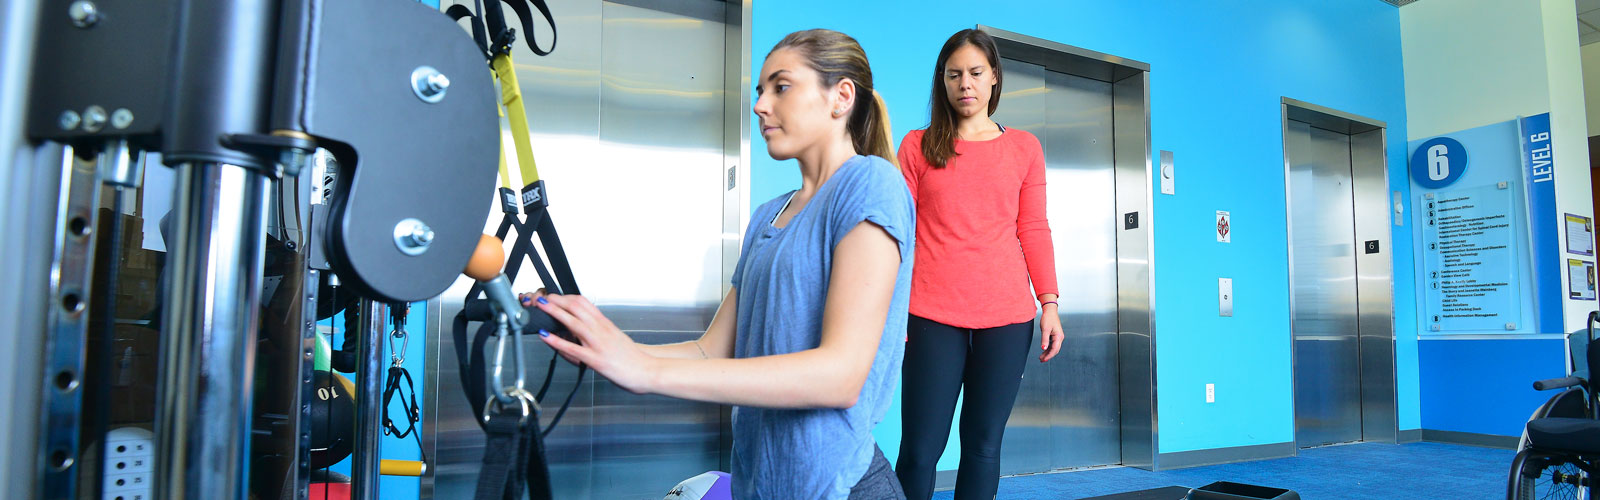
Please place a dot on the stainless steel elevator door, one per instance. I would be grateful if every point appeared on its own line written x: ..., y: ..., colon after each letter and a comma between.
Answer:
x: 654, y: 216
x: 1327, y: 351
x: 1067, y: 410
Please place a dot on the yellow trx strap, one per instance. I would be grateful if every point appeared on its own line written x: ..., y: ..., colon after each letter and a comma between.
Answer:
x: 511, y: 108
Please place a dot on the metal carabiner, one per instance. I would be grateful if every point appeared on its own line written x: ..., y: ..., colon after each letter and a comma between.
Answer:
x: 508, y: 328
x: 524, y: 400
x: 397, y: 347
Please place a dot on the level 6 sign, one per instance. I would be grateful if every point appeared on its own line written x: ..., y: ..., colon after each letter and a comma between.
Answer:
x: 1224, y: 227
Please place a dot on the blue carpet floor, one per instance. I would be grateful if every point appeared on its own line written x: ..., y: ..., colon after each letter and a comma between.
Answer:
x: 1417, y: 471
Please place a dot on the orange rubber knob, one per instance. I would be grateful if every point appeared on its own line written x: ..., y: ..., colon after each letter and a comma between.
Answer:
x: 486, y: 259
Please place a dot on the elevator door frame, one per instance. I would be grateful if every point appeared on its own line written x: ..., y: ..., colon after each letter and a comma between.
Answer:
x: 1369, y: 184
x: 1130, y: 88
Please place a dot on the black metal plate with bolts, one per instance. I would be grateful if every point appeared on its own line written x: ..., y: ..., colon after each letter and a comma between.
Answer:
x: 110, y: 56
x: 401, y: 157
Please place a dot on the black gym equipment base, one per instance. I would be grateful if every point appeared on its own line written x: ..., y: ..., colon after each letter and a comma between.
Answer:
x: 1220, y: 490
x: 1167, y: 493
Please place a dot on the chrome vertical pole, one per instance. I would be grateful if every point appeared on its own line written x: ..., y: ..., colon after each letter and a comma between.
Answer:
x: 221, y: 72
x: 210, y: 320
x: 365, y: 457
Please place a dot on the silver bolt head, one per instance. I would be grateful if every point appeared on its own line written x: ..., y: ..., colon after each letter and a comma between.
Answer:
x: 121, y: 118
x: 429, y: 84
x: 84, y: 13
x: 70, y: 120
x: 94, y: 118
x: 438, y: 82
x: 412, y: 236
x: 422, y: 235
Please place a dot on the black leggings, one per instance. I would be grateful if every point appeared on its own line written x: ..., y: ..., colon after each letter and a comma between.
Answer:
x: 940, y: 360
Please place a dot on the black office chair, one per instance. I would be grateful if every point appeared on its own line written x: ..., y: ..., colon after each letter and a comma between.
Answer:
x: 1560, y: 447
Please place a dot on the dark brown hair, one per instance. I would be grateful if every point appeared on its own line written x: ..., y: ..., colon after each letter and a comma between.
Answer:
x: 939, y: 141
x: 836, y: 56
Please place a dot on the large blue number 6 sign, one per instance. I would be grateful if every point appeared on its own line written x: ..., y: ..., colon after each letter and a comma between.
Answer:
x: 1438, y: 162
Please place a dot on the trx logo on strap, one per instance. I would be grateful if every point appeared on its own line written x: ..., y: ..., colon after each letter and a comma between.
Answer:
x: 533, y: 195
x: 508, y: 200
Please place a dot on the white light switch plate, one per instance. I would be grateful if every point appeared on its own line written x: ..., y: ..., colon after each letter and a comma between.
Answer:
x: 1225, y: 297
x: 1211, y: 393
x: 1168, y: 184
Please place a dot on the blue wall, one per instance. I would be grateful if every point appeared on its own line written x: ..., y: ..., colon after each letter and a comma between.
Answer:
x: 1486, y: 386
x: 1218, y: 71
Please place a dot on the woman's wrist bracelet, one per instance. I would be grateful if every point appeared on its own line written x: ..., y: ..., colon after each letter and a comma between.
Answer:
x: 1041, y: 304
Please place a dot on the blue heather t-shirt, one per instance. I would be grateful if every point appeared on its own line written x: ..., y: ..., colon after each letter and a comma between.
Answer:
x: 782, y: 280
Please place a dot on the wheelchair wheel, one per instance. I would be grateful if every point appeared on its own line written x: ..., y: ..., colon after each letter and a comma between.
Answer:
x: 1556, y: 481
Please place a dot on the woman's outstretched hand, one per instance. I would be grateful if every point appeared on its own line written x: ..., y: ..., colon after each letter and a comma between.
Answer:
x: 602, y: 346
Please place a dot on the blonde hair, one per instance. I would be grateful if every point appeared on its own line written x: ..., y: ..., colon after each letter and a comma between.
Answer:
x: 836, y: 56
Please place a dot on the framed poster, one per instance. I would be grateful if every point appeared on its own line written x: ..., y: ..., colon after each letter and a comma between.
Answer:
x: 1580, y: 280
x: 1580, y: 235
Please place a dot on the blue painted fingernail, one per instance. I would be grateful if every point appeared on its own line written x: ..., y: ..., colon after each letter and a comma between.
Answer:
x: 543, y: 333
x: 526, y: 301
x: 542, y: 301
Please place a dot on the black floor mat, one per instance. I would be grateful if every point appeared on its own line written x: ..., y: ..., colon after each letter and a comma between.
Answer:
x: 1167, y: 493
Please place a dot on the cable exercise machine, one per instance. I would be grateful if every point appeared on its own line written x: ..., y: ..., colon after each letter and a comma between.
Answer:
x: 238, y: 97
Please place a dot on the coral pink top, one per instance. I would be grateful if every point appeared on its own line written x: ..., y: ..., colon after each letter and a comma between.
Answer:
x: 982, y: 235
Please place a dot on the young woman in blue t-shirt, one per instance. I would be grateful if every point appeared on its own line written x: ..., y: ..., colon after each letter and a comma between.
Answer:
x: 808, y: 342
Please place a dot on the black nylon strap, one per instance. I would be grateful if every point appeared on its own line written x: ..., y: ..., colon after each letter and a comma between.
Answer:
x: 500, y: 37
x: 408, y: 401
x: 522, y: 248
x: 557, y: 254
x: 513, y: 459
x: 489, y: 28
x: 504, y: 456
x: 535, y: 467
x: 470, y: 359
x: 521, y: 6
x: 408, y: 398
x: 458, y: 12
x: 582, y: 369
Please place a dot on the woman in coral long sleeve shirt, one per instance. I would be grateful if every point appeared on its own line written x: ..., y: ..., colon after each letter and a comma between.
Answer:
x: 983, y: 257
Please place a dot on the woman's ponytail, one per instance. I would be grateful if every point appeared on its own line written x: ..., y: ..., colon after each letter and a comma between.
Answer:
x: 872, y: 137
